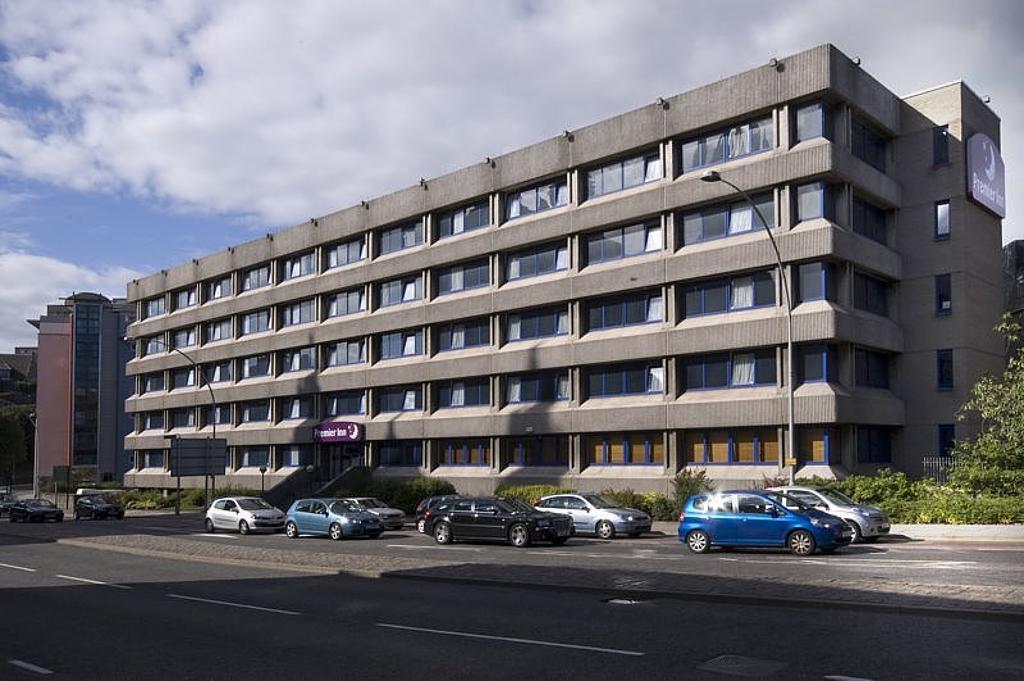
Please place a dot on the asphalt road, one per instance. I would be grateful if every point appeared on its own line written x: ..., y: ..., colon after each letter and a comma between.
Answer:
x: 76, y: 613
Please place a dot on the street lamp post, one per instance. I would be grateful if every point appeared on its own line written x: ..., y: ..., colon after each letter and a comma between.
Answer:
x: 263, y: 487
x: 715, y: 176
x: 33, y: 417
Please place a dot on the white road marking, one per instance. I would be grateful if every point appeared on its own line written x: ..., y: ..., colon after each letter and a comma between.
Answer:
x: 439, y: 548
x: 28, y: 666
x: 232, y: 605
x: 93, y: 581
x: 17, y: 567
x: 839, y: 677
x: 215, y: 536
x: 510, y: 639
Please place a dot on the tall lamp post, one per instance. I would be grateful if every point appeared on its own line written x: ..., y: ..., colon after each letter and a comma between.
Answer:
x: 33, y: 417
x: 715, y: 176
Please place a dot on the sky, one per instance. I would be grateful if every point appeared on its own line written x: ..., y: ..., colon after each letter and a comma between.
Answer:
x: 137, y: 135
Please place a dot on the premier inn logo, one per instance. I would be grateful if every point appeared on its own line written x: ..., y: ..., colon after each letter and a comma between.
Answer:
x: 986, y: 175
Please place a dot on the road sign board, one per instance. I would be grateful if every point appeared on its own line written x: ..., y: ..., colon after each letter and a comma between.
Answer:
x: 198, y: 456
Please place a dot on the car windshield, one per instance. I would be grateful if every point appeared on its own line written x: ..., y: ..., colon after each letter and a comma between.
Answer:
x: 516, y: 506
x: 344, y: 506
x: 837, y: 497
x: 40, y: 502
x: 254, y: 505
x: 373, y: 503
x: 598, y: 501
x: 788, y: 501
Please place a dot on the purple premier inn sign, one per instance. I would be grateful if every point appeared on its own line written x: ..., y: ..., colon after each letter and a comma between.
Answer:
x: 338, y: 431
x: 986, y: 178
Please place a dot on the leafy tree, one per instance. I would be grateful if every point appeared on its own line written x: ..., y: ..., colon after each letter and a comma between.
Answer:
x: 12, y: 444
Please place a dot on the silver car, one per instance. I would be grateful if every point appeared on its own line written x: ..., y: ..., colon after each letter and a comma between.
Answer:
x: 867, y: 522
x: 392, y: 518
x: 596, y: 514
x: 244, y: 514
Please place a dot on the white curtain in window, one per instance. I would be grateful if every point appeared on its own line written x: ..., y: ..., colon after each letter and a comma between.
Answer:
x: 742, y: 292
x: 655, y: 380
x: 743, y: 369
x: 654, y: 310
x: 739, y: 141
x: 562, y: 259
x: 362, y: 403
x: 563, y: 387
x: 459, y: 222
x: 458, y: 336
x: 458, y: 394
x: 361, y: 300
x: 740, y: 219
x: 409, y: 345
x: 563, y: 322
x: 514, y: 327
x: 293, y: 409
x: 458, y: 279
x: 410, y: 400
x: 513, y: 268
x: 653, y: 169
x: 515, y: 389
x: 562, y: 195
x: 514, y: 207
x: 332, y: 310
x: 653, y: 242
x: 409, y: 290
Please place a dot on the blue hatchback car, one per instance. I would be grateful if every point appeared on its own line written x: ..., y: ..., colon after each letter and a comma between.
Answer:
x: 336, y: 518
x: 759, y: 518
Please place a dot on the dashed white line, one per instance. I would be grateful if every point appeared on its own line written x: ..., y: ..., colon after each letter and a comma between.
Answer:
x: 28, y: 666
x: 511, y: 639
x: 92, y: 581
x: 438, y: 548
x: 232, y: 605
x: 17, y: 567
x: 215, y: 536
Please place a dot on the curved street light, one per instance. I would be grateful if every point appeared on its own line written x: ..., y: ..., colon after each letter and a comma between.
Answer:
x: 715, y: 176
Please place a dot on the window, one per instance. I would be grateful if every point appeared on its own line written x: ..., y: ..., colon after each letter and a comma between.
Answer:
x: 871, y: 368
x: 723, y: 295
x: 218, y: 288
x: 302, y: 312
x: 814, y: 444
x: 735, y: 370
x: 153, y: 382
x: 867, y: 145
x: 741, y: 446
x: 543, y: 323
x: 814, y: 282
x: 465, y: 452
x: 813, y: 201
x: 721, y: 145
x: 256, y: 366
x: 255, y: 322
x: 631, y: 172
x: 220, y: 415
x: 346, y: 302
x: 810, y: 121
x: 258, y: 277
x: 256, y: 411
x: 401, y: 344
x: 185, y: 298
x: 153, y: 420
x: 940, y: 145
x: 346, y: 352
x: 297, y: 408
x: 401, y: 237
x: 537, y: 199
x: 219, y: 372
x: 715, y: 222
x: 625, y: 449
x: 401, y: 453
x: 465, y: 219
x: 943, y: 294
x: 947, y: 438
x: 299, y: 359
x: 623, y: 242
x: 184, y: 338
x: 152, y: 459
x: 874, y: 445
x: 183, y: 418
x: 942, y: 224
x: 217, y: 331
x: 543, y: 387
x: 538, y: 450
x: 182, y: 378
x: 536, y: 261
x: 870, y: 294
x: 405, y: 398
x: 644, y: 308
x: 345, y: 403
x: 868, y: 220
x: 816, y: 364
x: 293, y: 456
x: 401, y: 291
x: 462, y: 277
x: 474, y: 392
x: 460, y: 335
x: 155, y: 306
x: 298, y: 266
x: 254, y: 457
x: 346, y: 252
x: 629, y: 379
x: 944, y: 369
x: 153, y: 345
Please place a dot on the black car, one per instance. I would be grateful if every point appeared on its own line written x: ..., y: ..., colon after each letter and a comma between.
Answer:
x: 97, y: 506
x: 6, y: 501
x: 425, y: 510
x: 36, y: 511
x: 497, y: 518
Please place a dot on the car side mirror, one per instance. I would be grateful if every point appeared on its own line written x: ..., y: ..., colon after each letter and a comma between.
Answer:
x: 822, y: 505
x: 775, y: 511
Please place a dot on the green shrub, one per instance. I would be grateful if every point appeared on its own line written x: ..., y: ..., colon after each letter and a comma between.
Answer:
x: 531, y: 494
x: 688, y: 482
x: 655, y: 504
x: 956, y: 508
x: 403, y: 494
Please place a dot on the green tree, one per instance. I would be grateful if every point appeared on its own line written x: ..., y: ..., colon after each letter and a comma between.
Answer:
x: 12, y: 445
x: 993, y: 461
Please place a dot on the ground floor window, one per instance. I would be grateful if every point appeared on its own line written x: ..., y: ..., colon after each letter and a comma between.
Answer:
x: 739, y: 446
x: 152, y: 459
x: 540, y: 450
x: 625, y: 448
x: 815, y: 444
x: 874, y: 445
x: 475, y: 452
x: 293, y: 456
x: 253, y: 457
x: 401, y: 453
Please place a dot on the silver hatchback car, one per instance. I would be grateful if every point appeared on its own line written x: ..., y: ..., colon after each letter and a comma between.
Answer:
x: 392, y: 518
x: 596, y: 514
x: 867, y: 522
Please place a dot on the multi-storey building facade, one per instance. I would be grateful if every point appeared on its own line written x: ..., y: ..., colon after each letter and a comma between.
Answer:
x: 588, y: 311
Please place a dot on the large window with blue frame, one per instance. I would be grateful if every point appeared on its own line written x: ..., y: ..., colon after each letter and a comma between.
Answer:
x: 346, y: 302
x: 736, y: 446
x: 405, y: 453
x: 724, y: 295
x: 816, y: 363
x: 814, y: 201
x: 463, y: 277
x: 874, y: 445
x: 869, y: 220
x: 470, y: 452
x: 537, y: 450
x: 465, y: 219
x: 870, y: 294
x: 537, y: 199
x: 631, y: 310
x: 625, y: 449
x: 470, y: 392
x: 548, y: 386
x: 623, y: 242
x: 625, y: 379
x: 407, y: 343
x: 814, y: 281
x: 730, y: 370
x: 728, y: 219
x: 404, y: 290
x: 538, y: 260
x: 871, y: 368
x: 401, y: 237
x: 811, y: 122
x: 815, y: 444
x: 401, y: 398
x: 624, y: 174
x: 460, y: 335
x: 346, y: 252
x: 742, y: 139
x: 344, y: 403
x: 867, y: 144
x: 543, y: 323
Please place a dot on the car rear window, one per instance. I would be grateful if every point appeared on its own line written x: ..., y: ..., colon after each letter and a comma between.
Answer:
x: 700, y: 504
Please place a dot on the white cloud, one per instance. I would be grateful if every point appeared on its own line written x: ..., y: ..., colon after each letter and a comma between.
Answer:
x: 292, y: 109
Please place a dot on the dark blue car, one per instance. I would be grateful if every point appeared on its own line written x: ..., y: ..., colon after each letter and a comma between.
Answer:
x: 758, y: 518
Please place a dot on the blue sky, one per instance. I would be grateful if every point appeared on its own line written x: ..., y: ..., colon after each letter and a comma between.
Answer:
x: 137, y: 135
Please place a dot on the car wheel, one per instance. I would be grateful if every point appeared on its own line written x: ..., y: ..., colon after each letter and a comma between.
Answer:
x: 210, y: 527
x: 519, y: 536
x: 291, y: 530
x: 801, y: 543
x: 335, y: 532
x: 243, y: 527
x: 421, y: 525
x: 858, y: 536
x: 605, y: 530
x: 443, y: 533
x: 698, y: 541
x: 78, y: 516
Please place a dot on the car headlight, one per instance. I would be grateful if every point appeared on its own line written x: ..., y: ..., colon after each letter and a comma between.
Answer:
x: 817, y: 522
x: 864, y: 512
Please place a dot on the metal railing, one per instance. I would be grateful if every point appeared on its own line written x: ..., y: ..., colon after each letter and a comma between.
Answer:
x: 937, y: 468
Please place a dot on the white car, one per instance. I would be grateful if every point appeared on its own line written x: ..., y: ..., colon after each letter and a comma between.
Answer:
x: 867, y: 522
x: 244, y: 515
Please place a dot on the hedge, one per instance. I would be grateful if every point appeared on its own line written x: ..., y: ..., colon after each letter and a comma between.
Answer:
x: 403, y: 494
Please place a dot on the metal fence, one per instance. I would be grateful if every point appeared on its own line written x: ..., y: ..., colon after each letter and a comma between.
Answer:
x: 937, y: 468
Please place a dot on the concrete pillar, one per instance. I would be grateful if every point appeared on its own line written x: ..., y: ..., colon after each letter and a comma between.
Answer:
x: 783, y: 133
x: 575, y: 187
x: 575, y: 319
x: 668, y: 162
x: 668, y: 232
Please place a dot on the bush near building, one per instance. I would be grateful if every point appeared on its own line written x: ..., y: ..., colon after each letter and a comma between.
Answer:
x: 403, y: 494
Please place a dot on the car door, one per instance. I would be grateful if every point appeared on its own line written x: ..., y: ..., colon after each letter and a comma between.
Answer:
x: 488, y: 520
x: 229, y: 515
x: 217, y: 514
x: 318, y: 517
x: 579, y: 511
x: 462, y: 520
x: 301, y: 516
x: 723, y: 520
x: 762, y: 523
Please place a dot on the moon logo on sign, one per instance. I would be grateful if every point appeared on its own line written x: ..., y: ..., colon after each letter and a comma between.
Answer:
x: 990, y: 166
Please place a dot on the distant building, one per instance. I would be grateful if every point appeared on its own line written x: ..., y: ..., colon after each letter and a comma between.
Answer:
x: 17, y: 368
x: 82, y: 385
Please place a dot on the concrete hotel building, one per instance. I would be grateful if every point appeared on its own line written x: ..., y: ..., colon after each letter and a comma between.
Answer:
x: 586, y: 310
